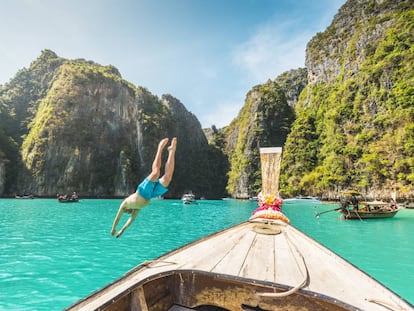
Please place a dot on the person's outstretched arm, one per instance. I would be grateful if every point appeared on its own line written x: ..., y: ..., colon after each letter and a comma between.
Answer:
x: 118, y: 217
x: 128, y: 222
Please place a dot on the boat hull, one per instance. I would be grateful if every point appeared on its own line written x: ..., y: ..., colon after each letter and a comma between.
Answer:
x: 68, y: 200
x: 269, y: 264
x: 188, y: 201
x: 188, y: 198
x: 352, y: 215
x: 186, y: 290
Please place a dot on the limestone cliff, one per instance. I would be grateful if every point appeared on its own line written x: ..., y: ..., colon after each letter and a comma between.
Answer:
x: 264, y: 121
x: 354, y: 126
x: 2, y: 176
x: 352, y: 37
x: 86, y: 129
x: 76, y: 125
x: 292, y: 83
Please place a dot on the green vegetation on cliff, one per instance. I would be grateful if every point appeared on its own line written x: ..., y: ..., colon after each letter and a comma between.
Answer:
x: 74, y: 125
x: 357, y: 130
x: 347, y: 120
x: 264, y: 121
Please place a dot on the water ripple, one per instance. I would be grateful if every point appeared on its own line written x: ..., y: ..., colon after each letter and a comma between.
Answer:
x: 53, y: 255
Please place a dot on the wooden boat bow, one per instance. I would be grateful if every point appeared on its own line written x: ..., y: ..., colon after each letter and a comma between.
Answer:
x: 266, y: 264
x: 260, y: 264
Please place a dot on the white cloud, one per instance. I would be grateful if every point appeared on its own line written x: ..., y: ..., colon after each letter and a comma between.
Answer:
x: 167, y: 49
x: 269, y: 52
x: 223, y: 112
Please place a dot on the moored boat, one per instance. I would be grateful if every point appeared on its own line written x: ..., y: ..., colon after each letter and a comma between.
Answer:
x: 408, y: 205
x: 302, y: 199
x: 370, y: 210
x: 188, y: 198
x: 352, y: 208
x: 24, y: 196
x: 68, y: 199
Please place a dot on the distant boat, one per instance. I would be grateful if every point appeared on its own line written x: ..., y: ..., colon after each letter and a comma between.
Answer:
x: 227, y: 199
x: 68, y: 199
x: 352, y: 208
x: 369, y: 210
x: 24, y: 196
x: 304, y: 199
x: 408, y: 205
x: 188, y: 198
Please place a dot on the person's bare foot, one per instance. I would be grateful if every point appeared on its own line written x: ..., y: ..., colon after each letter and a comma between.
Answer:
x: 173, y: 145
x: 162, y: 143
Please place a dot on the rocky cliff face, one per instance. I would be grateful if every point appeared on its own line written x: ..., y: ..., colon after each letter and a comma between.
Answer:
x: 351, y: 37
x: 78, y: 134
x: 264, y: 121
x: 75, y: 125
x: 86, y: 129
x: 196, y: 168
x: 2, y: 176
x: 292, y: 83
x: 354, y: 119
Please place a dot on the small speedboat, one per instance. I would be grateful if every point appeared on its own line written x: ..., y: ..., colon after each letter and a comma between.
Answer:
x: 304, y: 199
x: 188, y: 198
x: 24, y: 196
x: 68, y: 198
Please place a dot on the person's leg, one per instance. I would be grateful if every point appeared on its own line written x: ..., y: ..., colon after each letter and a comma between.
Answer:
x: 128, y: 222
x: 156, y: 165
x: 169, y: 165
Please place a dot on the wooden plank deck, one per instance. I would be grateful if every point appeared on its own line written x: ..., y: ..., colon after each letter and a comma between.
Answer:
x: 285, y: 257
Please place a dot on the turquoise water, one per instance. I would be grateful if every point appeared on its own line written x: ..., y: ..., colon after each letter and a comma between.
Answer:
x: 53, y: 254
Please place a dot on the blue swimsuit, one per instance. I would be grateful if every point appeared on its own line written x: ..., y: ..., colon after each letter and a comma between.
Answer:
x: 149, y: 189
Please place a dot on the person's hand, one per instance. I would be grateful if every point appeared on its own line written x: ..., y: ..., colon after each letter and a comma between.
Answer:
x: 119, y: 233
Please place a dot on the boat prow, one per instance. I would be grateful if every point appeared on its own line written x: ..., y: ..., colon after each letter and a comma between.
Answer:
x: 256, y: 265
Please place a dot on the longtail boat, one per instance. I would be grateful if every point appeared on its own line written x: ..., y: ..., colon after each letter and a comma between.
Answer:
x: 261, y: 264
x: 353, y: 208
x: 370, y: 211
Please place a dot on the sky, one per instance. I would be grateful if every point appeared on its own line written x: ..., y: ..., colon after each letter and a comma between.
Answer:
x: 206, y: 53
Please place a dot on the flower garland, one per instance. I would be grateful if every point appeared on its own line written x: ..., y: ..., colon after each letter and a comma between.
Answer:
x: 270, y: 207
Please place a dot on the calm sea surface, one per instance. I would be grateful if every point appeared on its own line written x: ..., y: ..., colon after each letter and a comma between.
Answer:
x: 53, y: 254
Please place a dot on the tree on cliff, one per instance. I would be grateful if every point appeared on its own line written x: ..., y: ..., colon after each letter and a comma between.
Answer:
x: 264, y: 121
x: 79, y: 126
x: 355, y: 118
